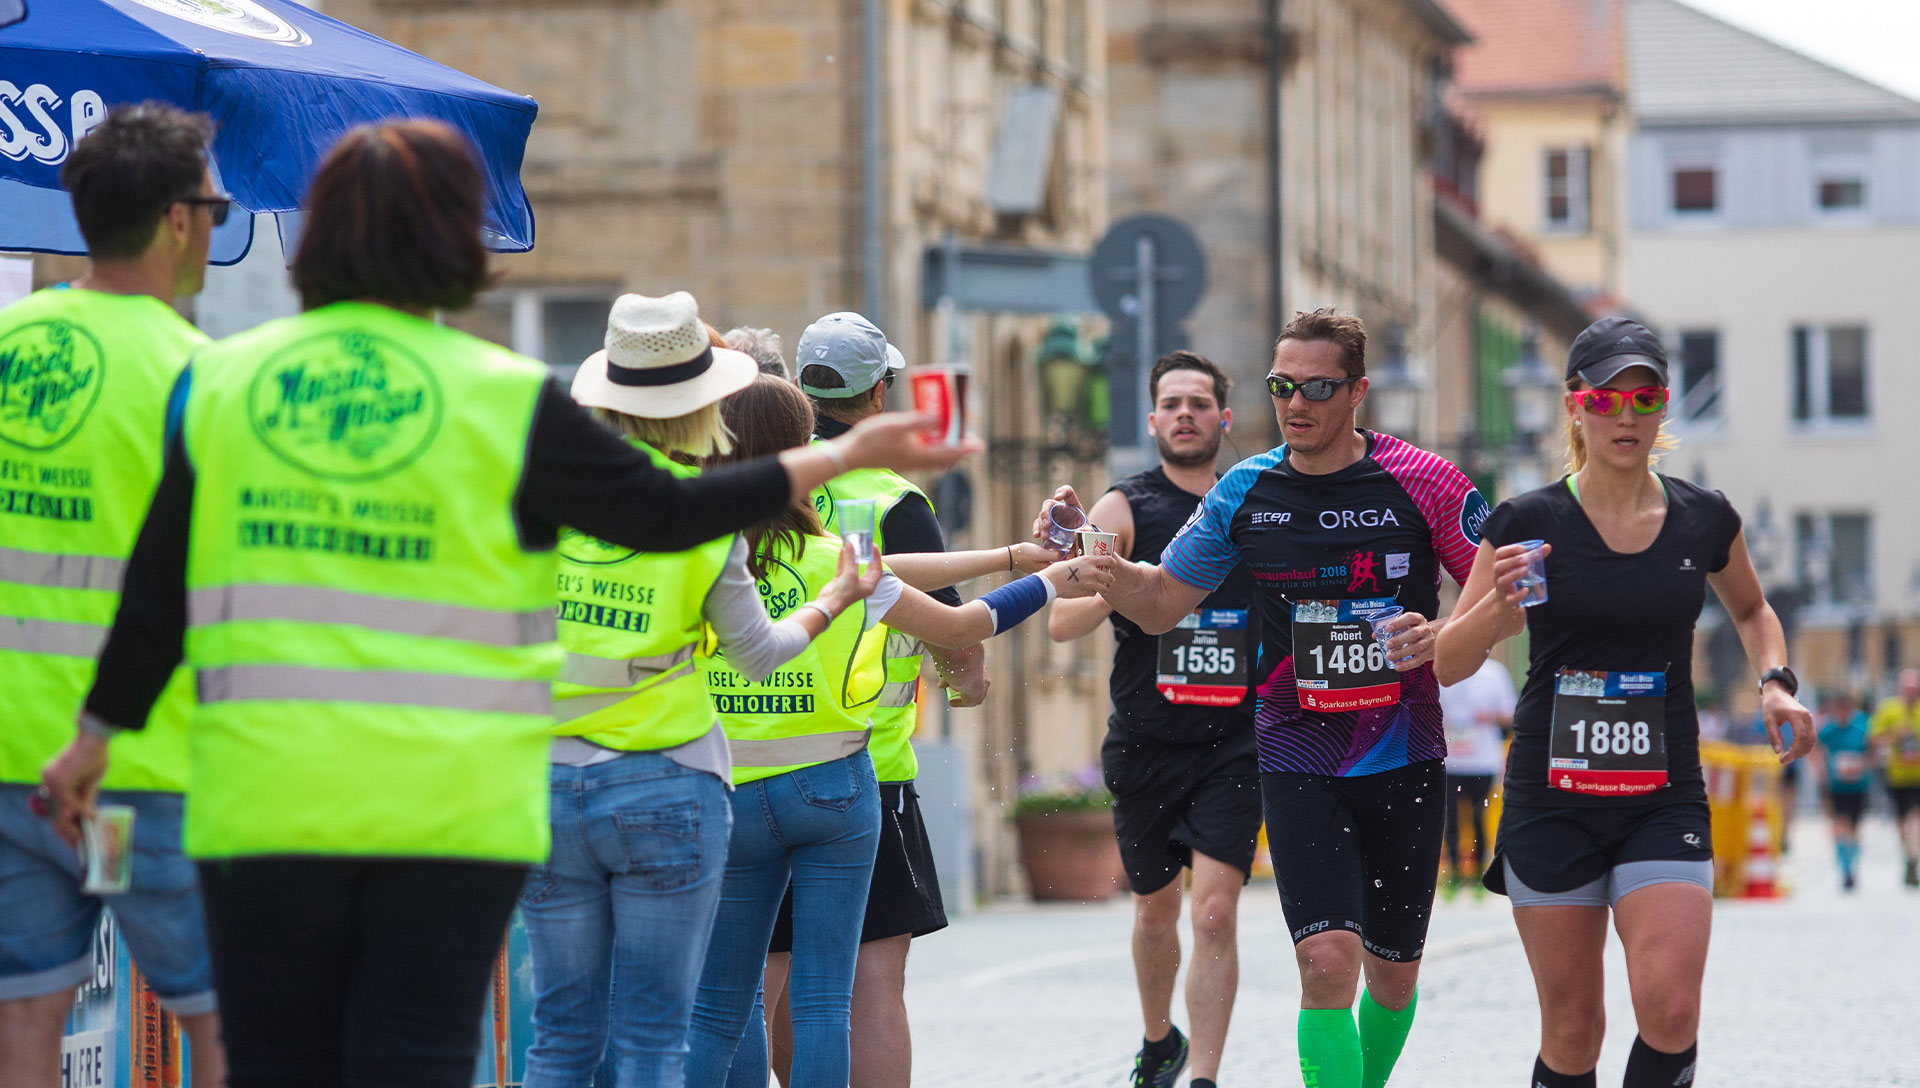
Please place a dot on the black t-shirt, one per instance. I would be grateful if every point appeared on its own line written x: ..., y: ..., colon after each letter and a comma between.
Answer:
x: 1160, y: 507
x: 1614, y: 612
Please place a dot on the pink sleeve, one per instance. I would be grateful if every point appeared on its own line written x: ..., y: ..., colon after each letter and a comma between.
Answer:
x: 1454, y: 508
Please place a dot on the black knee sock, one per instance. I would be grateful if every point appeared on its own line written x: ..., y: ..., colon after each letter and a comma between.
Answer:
x: 1547, y: 1078
x: 1650, y: 1068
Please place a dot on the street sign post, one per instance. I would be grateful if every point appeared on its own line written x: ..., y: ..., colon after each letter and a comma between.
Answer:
x: 1147, y: 273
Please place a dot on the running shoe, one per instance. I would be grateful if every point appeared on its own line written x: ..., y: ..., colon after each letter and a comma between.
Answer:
x: 1913, y: 873
x: 1161, y: 1072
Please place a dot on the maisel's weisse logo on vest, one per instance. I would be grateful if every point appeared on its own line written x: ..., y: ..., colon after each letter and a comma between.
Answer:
x: 348, y: 406
x: 782, y: 590
x: 823, y: 506
x: 50, y: 377
x: 591, y: 550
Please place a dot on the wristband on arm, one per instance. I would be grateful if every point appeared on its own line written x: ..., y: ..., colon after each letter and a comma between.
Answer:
x: 1017, y: 600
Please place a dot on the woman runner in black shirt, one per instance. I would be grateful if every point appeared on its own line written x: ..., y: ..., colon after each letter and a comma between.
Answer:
x: 1605, y: 802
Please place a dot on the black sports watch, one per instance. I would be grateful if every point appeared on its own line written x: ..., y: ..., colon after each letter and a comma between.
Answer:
x: 1782, y: 674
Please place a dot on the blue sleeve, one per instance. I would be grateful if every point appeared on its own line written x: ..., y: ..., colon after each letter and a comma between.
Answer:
x: 1202, y: 553
x: 177, y: 404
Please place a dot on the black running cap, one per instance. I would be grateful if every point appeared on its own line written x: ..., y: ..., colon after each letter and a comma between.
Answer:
x: 1611, y: 345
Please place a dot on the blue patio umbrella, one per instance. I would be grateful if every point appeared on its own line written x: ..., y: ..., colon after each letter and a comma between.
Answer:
x: 282, y: 82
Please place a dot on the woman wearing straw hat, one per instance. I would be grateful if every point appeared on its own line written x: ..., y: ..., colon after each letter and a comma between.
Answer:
x: 639, y: 779
x: 352, y: 542
x: 806, y: 805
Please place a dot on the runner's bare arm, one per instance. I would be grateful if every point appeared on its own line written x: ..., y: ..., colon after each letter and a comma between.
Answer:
x: 1151, y: 597
x: 1488, y: 612
x: 1069, y: 620
x: 1766, y: 644
x: 928, y: 571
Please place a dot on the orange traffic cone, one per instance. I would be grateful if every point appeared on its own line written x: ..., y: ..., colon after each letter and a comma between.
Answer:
x: 1757, y: 877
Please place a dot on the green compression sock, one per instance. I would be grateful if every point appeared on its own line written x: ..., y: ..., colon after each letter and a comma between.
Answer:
x: 1329, y: 1049
x: 1383, y: 1032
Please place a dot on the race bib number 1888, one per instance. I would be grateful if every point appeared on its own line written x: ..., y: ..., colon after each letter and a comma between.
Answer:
x: 1609, y: 732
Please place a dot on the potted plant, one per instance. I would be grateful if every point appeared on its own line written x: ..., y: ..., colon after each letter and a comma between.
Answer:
x: 1066, y: 837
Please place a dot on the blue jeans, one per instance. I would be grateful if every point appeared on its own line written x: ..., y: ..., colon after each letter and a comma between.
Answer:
x: 47, y: 923
x: 818, y: 827
x: 618, y: 918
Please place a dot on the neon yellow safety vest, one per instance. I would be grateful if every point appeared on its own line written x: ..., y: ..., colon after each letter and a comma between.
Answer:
x: 893, y: 719
x: 84, y: 382
x: 631, y: 625
x: 373, y: 643
x: 814, y: 708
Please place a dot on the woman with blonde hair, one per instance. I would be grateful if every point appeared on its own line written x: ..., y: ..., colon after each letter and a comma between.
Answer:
x: 806, y: 802
x: 1606, y: 806
x: 624, y: 904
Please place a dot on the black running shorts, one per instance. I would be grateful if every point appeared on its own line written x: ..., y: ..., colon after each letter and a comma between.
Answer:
x: 1361, y: 854
x: 1905, y: 800
x: 1559, y: 849
x: 1171, y: 800
x: 1849, y: 806
x: 905, y: 897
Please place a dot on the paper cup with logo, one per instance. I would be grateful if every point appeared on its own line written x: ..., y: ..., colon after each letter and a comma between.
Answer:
x: 941, y: 392
x: 1095, y: 542
x: 108, y: 834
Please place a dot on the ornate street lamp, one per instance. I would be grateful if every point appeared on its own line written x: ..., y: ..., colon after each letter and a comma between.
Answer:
x: 1393, y: 392
x: 1533, y: 392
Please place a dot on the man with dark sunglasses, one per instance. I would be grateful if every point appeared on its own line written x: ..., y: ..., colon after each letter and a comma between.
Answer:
x: 86, y: 374
x: 1336, y: 525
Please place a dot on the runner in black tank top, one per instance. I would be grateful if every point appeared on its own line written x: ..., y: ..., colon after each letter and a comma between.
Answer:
x: 1179, y: 754
x: 1606, y: 810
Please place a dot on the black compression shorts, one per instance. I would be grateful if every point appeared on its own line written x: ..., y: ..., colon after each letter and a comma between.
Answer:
x: 1173, y: 800
x: 1849, y: 806
x: 1361, y: 853
x: 1558, y: 849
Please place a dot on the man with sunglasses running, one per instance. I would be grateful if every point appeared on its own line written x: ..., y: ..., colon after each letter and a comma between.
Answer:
x: 1337, y: 525
x: 86, y: 372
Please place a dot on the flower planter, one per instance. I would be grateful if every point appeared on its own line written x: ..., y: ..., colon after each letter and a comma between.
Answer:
x: 1071, y: 856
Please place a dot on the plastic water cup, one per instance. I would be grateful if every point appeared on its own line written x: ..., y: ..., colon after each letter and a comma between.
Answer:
x: 1380, y: 620
x: 1063, y: 522
x: 1535, y: 580
x: 108, y: 834
x: 1096, y: 542
x: 855, y: 518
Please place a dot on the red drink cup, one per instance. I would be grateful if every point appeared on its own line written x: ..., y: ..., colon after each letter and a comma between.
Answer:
x: 941, y: 392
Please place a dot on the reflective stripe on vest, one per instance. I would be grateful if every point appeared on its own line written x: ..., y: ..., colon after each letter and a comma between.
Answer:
x: 605, y: 672
x: 53, y: 637
x: 85, y: 378
x: 62, y: 571
x: 250, y: 683
x: 318, y: 604
x: 806, y: 751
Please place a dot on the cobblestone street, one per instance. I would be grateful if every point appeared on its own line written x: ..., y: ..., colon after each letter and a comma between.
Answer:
x: 1817, y: 989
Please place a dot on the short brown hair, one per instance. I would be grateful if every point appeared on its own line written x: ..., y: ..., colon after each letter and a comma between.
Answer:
x: 1329, y: 324
x: 1188, y: 360
x: 393, y: 216
x: 126, y: 173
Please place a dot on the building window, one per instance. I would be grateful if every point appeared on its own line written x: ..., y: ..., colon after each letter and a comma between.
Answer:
x: 1834, y: 555
x: 1698, y: 392
x: 1696, y: 190
x: 1829, y: 373
x: 1566, y: 190
x: 1842, y: 194
x: 558, y: 325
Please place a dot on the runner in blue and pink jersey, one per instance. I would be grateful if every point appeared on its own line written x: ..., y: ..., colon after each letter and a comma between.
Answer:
x: 1338, y: 525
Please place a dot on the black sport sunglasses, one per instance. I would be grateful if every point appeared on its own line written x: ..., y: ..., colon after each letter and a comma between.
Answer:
x: 1312, y: 389
x: 218, y: 206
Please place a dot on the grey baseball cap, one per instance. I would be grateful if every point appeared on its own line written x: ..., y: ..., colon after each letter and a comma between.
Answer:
x: 1611, y: 345
x: 853, y: 348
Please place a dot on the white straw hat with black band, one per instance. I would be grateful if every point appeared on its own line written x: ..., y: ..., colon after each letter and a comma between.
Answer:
x: 658, y: 362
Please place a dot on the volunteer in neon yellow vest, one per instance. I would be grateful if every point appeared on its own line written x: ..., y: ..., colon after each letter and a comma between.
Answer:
x: 353, y: 536
x: 845, y: 366
x: 638, y: 756
x: 84, y: 375
x: 806, y: 806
